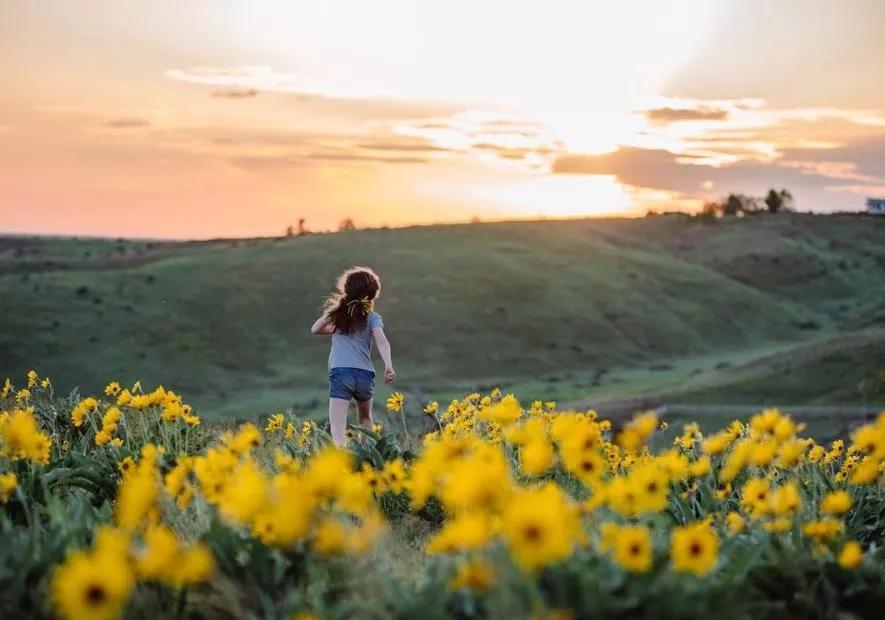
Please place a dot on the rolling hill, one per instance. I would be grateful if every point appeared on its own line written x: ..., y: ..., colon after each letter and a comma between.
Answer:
x: 562, y: 309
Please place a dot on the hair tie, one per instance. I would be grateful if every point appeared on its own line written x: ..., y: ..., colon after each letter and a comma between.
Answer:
x: 365, y: 304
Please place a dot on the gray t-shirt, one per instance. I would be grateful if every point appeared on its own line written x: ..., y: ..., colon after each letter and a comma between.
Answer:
x: 355, y: 350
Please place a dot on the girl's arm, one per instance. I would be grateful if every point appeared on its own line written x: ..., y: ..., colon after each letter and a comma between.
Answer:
x: 322, y: 326
x: 383, y: 345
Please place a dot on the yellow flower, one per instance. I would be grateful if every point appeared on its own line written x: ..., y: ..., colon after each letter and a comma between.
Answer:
x: 632, y: 548
x: 694, y: 548
x: 504, y: 412
x: 851, y: 555
x: 137, y: 494
x: 395, y: 402
x: 816, y: 453
x: 780, y: 525
x: 112, y: 388
x: 718, y: 443
x: 21, y: 437
x: 8, y: 485
x: 785, y: 499
x: 586, y: 465
x: 540, y: 527
x: 466, y: 532
x: 241, y: 500
x: 755, y: 496
x: 536, y: 457
x: 330, y: 537
x: 326, y: 471
x: 869, y: 438
x: 126, y: 465
x: 160, y: 553
x: 791, y: 453
x: 431, y: 407
x: 836, y: 503
x: 723, y: 492
x: 476, y: 575
x: 248, y: 437
x: 195, y: 565
x: 287, y: 519
x: 621, y: 496
x: 32, y: 378
x: 650, y: 488
x: 824, y: 530
x: 275, y: 423
x: 394, y: 476
x: 700, y: 467
x: 762, y: 453
x: 84, y: 407
x: 735, y: 523
x: 866, y: 472
x: 633, y: 436
x: 94, y: 585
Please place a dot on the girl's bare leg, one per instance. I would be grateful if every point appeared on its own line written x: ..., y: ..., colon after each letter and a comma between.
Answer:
x: 338, y: 420
x: 364, y: 413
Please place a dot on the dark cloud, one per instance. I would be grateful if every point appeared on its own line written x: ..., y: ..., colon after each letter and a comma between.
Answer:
x: 868, y: 155
x: 127, y: 123
x: 235, y: 93
x: 660, y: 169
x: 674, y: 115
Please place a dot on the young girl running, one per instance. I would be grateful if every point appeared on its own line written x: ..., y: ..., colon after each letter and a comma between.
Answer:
x: 350, y: 319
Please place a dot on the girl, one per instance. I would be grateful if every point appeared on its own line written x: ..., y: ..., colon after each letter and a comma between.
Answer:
x: 351, y: 321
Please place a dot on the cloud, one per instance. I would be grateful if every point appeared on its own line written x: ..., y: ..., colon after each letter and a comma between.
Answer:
x: 675, y: 115
x: 127, y: 123
x: 403, y: 143
x: 263, y: 78
x: 490, y: 136
x: 235, y: 93
x: 686, y: 175
x: 286, y: 163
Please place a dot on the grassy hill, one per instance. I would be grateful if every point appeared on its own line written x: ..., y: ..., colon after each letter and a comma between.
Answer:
x: 565, y: 309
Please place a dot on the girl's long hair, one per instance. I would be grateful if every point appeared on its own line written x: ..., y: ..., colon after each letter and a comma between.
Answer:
x: 348, y: 307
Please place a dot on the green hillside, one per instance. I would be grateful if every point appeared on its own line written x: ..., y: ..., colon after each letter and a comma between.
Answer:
x: 568, y: 309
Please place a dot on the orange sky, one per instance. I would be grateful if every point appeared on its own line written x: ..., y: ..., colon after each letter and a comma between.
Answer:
x: 232, y: 118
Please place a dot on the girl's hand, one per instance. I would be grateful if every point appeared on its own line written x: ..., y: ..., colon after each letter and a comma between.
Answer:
x: 389, y: 374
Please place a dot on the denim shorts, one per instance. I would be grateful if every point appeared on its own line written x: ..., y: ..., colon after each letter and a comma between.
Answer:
x: 351, y: 383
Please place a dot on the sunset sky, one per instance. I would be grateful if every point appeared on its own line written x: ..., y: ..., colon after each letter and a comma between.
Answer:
x: 206, y: 118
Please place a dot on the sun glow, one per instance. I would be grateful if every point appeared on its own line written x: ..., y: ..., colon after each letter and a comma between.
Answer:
x: 237, y: 118
x: 559, y: 196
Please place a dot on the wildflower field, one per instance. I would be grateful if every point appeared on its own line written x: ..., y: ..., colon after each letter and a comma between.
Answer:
x: 126, y: 504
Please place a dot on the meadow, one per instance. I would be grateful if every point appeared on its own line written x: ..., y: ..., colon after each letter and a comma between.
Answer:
x: 127, y: 504
x: 585, y: 425
x: 768, y: 310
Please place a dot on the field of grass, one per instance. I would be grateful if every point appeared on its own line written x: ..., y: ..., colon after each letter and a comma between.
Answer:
x: 760, y: 310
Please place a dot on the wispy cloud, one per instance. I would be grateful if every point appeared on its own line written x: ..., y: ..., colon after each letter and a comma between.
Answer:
x: 263, y: 78
x: 127, y: 123
x: 675, y: 115
x: 235, y: 93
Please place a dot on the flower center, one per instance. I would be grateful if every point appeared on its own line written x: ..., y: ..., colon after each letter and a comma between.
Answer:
x: 532, y: 532
x: 95, y: 595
